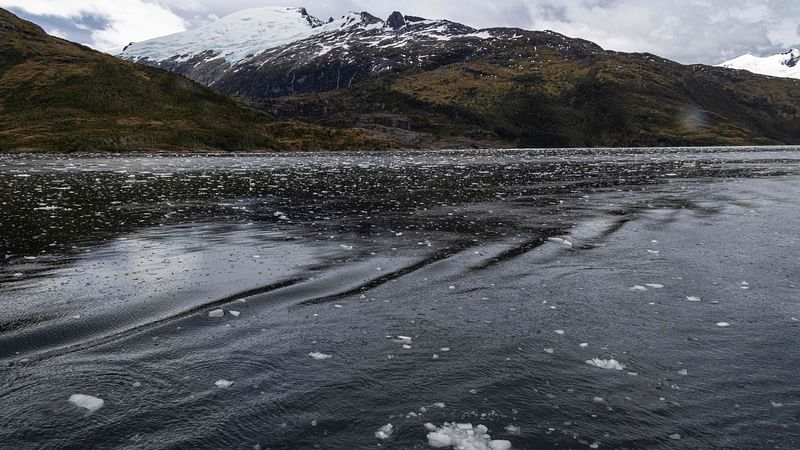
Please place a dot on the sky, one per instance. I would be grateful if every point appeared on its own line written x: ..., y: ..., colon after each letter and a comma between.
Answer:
x: 688, y: 31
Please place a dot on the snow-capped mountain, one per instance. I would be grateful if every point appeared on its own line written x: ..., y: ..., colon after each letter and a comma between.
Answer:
x: 276, y: 51
x: 785, y: 65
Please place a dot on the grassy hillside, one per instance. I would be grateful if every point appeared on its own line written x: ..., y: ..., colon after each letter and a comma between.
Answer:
x: 59, y: 96
x: 551, y: 96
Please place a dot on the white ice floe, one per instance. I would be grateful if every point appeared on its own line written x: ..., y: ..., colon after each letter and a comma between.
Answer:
x: 404, y: 338
x: 723, y: 324
x: 638, y: 288
x: 463, y: 436
x: 655, y: 286
x: 235, y: 313
x: 320, y: 356
x: 675, y: 436
x: 513, y: 429
x: 549, y: 351
x: 217, y: 313
x: 608, y: 364
x: 683, y: 372
x: 385, y: 432
x: 222, y: 384
x: 560, y: 332
x: 693, y: 299
x: 87, y: 402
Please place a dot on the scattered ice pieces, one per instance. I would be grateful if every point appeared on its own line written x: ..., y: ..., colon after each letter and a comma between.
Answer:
x: 217, y: 313
x: 87, y: 402
x: 463, y: 436
x: 385, y: 432
x: 320, y: 356
x: 223, y: 384
x: 608, y: 364
x: 723, y: 324
x: 692, y: 298
x: 235, y: 313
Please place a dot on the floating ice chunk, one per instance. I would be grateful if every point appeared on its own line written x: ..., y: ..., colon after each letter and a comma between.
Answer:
x: 439, y: 405
x: 654, y: 252
x: 346, y: 247
x: 693, y: 299
x: 444, y: 349
x: 638, y: 288
x: 235, y: 313
x: 87, y: 402
x: 223, y: 384
x: 655, y: 286
x: 549, y: 351
x: 561, y: 241
x: 584, y: 345
x: 217, y: 313
x: 18, y: 275
x: 776, y: 404
x: 404, y: 338
x: 406, y: 346
x: 723, y: 324
x: 385, y: 432
x: 675, y: 436
x: 463, y: 436
x: 683, y: 372
x: 513, y: 429
x: 560, y: 332
x: 338, y: 306
x: 609, y: 364
x: 320, y: 356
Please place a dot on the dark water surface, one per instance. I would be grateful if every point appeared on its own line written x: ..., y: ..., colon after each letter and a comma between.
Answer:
x: 508, y: 271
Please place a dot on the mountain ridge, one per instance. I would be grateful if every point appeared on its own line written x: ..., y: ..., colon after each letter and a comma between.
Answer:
x: 56, y: 95
x: 430, y: 82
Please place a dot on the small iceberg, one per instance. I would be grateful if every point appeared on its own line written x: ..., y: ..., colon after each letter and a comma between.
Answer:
x: 463, y: 436
x: 223, y: 384
x: 385, y: 432
x: 216, y: 314
x: 320, y: 356
x: 87, y: 402
x: 608, y: 364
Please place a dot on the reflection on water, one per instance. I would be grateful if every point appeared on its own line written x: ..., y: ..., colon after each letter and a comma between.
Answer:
x: 359, y: 290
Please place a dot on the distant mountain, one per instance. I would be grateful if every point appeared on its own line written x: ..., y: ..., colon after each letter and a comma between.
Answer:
x: 437, y: 83
x: 59, y: 96
x: 786, y: 65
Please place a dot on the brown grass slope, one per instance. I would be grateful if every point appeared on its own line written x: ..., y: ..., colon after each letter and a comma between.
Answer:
x: 59, y: 96
x: 524, y: 94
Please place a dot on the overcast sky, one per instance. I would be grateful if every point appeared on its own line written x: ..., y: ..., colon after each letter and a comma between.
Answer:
x: 689, y: 31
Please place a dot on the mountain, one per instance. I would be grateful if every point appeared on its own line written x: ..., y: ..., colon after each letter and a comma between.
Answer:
x: 437, y: 83
x: 59, y: 96
x: 786, y: 65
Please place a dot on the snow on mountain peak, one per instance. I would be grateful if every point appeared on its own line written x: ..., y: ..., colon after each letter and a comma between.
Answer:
x: 234, y: 37
x: 785, y: 65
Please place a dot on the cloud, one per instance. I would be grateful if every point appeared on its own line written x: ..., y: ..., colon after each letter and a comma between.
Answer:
x: 688, y: 31
x: 109, y: 24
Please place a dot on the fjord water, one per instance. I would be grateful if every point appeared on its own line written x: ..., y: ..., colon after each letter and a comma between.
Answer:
x: 360, y: 290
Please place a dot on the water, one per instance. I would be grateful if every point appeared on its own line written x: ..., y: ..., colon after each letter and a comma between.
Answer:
x: 508, y: 271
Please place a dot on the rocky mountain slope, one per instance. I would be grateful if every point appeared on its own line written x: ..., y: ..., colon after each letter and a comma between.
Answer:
x: 785, y: 65
x: 59, y: 96
x: 439, y: 83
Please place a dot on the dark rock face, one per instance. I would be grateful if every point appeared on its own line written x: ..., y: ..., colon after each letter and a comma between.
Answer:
x: 396, y: 21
